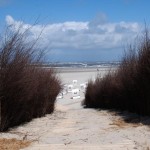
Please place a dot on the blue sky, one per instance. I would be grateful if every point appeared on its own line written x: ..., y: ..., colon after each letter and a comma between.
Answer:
x: 80, y: 30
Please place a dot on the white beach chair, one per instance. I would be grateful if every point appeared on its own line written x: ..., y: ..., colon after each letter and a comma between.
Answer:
x: 69, y: 88
x: 74, y: 82
x: 83, y: 86
x: 75, y: 94
x: 64, y: 91
x: 60, y: 96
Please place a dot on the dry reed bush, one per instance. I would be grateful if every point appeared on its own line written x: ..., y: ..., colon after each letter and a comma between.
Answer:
x: 26, y: 89
x: 128, y: 88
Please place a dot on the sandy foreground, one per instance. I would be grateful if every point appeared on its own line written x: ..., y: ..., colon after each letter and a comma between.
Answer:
x: 72, y: 127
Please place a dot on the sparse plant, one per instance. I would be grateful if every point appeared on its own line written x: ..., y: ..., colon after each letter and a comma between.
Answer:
x: 26, y: 89
x: 128, y: 88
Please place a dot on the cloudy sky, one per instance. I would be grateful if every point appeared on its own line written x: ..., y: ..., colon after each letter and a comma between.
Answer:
x: 79, y: 30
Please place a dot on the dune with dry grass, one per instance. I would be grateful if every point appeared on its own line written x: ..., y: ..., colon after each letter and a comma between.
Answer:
x: 26, y: 89
x: 128, y: 88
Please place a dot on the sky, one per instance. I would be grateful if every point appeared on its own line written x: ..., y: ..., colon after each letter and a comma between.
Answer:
x: 79, y: 30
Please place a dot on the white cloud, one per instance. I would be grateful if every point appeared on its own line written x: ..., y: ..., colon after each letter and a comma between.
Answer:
x: 81, y: 35
x: 15, y: 25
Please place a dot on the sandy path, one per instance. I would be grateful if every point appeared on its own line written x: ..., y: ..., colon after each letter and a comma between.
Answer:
x: 72, y: 127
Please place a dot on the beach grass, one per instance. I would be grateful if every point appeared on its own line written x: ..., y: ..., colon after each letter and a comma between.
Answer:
x: 26, y: 90
x: 128, y: 88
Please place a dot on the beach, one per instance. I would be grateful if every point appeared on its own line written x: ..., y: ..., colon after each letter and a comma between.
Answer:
x: 82, y: 74
x: 73, y: 127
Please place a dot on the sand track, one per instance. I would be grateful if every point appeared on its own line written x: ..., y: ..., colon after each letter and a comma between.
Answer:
x: 88, y: 129
x: 72, y: 127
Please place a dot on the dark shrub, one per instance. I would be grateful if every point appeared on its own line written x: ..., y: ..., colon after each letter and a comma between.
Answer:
x: 26, y: 90
x: 128, y: 88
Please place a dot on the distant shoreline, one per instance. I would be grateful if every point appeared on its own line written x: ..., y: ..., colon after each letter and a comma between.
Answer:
x: 85, y: 69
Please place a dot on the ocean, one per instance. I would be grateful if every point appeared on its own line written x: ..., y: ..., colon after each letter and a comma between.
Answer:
x: 100, y: 64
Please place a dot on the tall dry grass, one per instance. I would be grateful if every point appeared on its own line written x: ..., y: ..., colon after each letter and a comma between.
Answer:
x: 128, y: 88
x: 26, y: 90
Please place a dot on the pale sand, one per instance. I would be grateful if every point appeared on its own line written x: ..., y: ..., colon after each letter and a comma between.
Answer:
x: 71, y: 127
